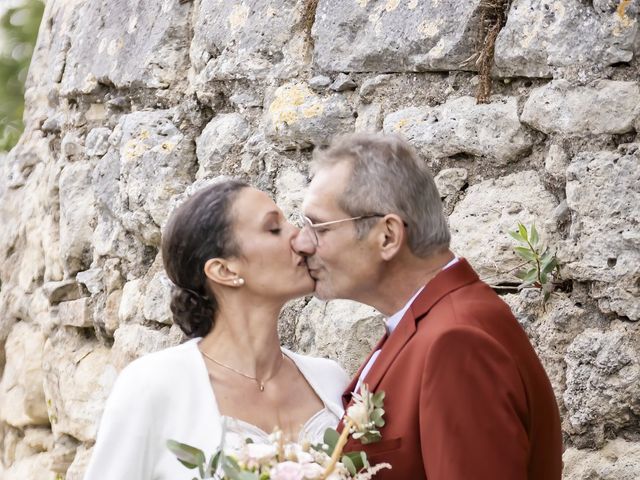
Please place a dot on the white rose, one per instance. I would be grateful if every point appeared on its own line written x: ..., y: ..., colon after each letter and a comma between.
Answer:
x: 260, y: 452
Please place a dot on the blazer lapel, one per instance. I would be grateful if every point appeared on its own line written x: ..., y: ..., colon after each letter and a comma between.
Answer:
x: 454, y: 277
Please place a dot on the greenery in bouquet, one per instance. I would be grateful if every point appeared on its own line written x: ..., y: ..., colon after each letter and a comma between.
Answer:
x: 280, y: 460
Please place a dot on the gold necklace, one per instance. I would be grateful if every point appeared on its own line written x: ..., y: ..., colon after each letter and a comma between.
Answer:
x: 255, y: 379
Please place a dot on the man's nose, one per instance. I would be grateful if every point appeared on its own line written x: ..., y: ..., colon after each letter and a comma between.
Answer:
x: 302, y: 244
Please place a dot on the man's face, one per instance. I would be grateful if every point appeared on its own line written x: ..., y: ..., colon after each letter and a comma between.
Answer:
x: 341, y: 265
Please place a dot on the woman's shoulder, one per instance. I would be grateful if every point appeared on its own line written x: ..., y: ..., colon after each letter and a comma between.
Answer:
x: 159, y: 368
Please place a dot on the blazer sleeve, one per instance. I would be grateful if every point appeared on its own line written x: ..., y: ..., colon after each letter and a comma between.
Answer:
x: 472, y: 410
x: 124, y: 444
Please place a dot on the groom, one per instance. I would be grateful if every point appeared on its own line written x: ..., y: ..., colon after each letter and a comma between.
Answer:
x: 466, y: 396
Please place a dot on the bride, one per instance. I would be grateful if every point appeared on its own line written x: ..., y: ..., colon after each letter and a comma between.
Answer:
x: 228, y: 251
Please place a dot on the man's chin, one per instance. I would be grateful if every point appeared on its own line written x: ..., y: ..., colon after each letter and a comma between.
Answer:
x: 322, y: 293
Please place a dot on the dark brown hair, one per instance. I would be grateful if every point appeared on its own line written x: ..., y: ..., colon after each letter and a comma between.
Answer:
x: 200, y: 229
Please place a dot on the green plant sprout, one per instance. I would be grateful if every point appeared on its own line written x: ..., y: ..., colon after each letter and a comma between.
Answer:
x: 541, y: 263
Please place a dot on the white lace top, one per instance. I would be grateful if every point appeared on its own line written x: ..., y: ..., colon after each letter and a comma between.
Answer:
x: 312, y: 430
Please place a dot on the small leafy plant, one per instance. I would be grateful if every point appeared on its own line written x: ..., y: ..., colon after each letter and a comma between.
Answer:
x: 541, y: 263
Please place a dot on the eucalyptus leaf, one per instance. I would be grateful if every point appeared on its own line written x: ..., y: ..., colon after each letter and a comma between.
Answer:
x: 189, y: 456
x: 348, y: 463
x: 213, y: 463
x: 331, y: 437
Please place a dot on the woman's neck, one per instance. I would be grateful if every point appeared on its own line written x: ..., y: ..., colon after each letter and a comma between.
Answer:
x: 245, y: 337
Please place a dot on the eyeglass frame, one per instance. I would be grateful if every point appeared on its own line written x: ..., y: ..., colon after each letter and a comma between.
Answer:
x: 307, y: 223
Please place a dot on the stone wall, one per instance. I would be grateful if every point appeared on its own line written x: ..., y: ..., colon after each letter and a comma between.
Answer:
x: 133, y: 103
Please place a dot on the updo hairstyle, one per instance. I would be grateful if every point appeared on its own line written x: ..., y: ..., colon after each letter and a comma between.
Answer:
x: 200, y: 229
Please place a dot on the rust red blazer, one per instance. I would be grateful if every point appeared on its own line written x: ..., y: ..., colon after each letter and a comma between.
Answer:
x: 466, y: 395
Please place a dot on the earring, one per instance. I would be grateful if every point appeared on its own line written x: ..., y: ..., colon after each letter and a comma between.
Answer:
x: 238, y: 282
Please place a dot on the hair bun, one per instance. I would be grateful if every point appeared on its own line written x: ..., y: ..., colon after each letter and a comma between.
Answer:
x: 192, y: 312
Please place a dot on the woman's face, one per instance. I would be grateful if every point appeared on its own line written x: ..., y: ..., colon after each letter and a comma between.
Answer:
x: 267, y: 263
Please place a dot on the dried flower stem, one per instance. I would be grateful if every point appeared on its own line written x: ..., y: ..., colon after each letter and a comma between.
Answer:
x: 342, y: 441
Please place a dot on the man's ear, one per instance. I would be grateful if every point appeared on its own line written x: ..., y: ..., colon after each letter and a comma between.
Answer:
x: 221, y: 271
x: 391, y: 236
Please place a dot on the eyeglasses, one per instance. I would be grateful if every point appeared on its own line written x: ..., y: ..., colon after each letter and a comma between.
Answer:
x: 311, y: 229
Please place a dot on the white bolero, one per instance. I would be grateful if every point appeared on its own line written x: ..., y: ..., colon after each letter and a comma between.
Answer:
x: 168, y: 395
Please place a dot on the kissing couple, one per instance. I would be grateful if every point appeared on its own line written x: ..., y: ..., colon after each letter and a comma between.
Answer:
x: 466, y: 395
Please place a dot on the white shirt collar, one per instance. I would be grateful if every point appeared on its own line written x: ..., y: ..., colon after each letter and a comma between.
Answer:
x: 393, y: 320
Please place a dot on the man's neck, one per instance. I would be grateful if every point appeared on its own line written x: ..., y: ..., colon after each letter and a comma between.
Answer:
x: 404, y: 279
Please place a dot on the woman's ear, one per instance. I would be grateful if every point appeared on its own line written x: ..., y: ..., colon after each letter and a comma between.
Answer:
x: 391, y: 236
x: 221, y: 271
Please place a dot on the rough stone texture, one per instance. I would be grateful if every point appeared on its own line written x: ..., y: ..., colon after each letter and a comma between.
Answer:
x: 126, y: 43
x: 603, y: 194
x: 605, y: 107
x: 133, y: 106
x: 249, y: 39
x: 617, y: 460
x: 296, y: 117
x: 481, y: 220
x: 78, y: 377
x: 146, y: 144
x: 394, y: 35
x: 22, y: 401
x: 545, y: 38
x: 491, y: 131
x: 77, y: 217
x: 222, y: 135
x: 450, y: 180
x: 358, y: 327
x: 602, y: 365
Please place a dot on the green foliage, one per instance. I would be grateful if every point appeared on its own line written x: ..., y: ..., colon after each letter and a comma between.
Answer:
x: 541, y: 263
x: 18, y: 31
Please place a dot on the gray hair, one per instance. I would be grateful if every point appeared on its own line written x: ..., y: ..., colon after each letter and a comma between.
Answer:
x: 388, y: 177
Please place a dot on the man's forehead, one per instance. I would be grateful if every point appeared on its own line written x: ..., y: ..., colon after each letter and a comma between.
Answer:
x: 324, y: 190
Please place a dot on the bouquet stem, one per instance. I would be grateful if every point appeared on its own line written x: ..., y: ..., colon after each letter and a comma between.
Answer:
x: 342, y: 441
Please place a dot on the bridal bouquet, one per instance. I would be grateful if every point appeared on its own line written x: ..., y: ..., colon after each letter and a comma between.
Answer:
x: 280, y: 460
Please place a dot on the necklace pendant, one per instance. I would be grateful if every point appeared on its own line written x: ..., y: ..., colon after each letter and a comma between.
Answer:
x: 261, y: 387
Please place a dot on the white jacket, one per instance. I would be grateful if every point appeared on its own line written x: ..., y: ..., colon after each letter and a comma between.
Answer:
x: 168, y: 395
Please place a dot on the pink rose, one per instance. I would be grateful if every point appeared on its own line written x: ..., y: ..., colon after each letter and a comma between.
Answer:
x: 287, y: 471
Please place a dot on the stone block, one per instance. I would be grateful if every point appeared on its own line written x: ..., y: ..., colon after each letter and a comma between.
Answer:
x: 75, y: 313
x: 603, y: 246
x: 77, y: 217
x: 128, y: 44
x: 492, y: 131
x: 224, y: 134
x: 450, y: 180
x: 97, y: 142
x: 481, y: 220
x: 78, y: 376
x: 543, y: 38
x: 297, y: 117
x: 22, y: 400
x: 157, y: 300
x: 606, y: 107
x: 394, y: 35
x: 602, y: 364
x: 339, y: 329
x: 150, y: 162
x: 618, y: 459
x: 248, y: 39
